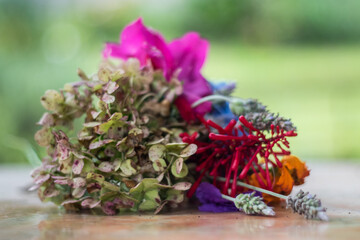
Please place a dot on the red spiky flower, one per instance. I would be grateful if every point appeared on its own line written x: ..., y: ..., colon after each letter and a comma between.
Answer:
x: 235, y: 151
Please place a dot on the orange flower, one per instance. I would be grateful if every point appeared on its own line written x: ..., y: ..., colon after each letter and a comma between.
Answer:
x: 296, y: 168
x: 293, y: 172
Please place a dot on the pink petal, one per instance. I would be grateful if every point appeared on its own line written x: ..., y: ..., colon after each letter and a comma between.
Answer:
x: 189, y: 54
x: 144, y: 44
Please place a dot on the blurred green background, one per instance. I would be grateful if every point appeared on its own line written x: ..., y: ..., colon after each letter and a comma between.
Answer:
x: 301, y: 58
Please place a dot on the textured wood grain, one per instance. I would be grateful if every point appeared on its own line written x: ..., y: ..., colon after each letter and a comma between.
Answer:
x: 22, y: 216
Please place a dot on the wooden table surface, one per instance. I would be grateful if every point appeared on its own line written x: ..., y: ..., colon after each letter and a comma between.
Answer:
x: 22, y: 216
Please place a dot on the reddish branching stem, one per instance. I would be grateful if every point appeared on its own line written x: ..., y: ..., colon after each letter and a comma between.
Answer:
x: 235, y: 151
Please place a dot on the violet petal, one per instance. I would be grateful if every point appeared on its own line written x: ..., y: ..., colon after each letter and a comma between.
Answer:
x: 211, y: 200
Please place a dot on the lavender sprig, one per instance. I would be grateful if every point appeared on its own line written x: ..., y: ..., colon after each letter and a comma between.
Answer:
x: 302, y: 203
x: 307, y: 205
x: 254, y: 111
x: 250, y: 204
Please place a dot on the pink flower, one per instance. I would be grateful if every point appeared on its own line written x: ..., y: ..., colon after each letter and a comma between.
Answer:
x: 187, y: 54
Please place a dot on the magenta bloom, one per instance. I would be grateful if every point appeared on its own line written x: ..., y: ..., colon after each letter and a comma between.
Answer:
x: 187, y: 54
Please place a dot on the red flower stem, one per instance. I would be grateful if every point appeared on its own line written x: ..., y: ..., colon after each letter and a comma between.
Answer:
x: 268, y: 181
x: 260, y: 170
x: 214, y: 136
x: 203, y: 149
x: 242, y: 130
x: 233, y: 186
x: 203, y: 164
x: 228, y: 129
x: 259, y: 179
x: 214, y: 171
x: 279, y: 164
x: 282, y: 153
x: 225, y: 160
x: 243, y: 120
x: 217, y: 127
x: 235, y: 164
x: 203, y: 121
x: 247, y: 166
x: 236, y: 132
x: 197, y: 183
x: 282, y: 149
x: 234, y: 168
x: 286, y: 143
x: 228, y: 174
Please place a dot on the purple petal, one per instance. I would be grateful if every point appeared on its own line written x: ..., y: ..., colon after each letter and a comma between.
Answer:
x: 211, y: 200
x: 210, y: 207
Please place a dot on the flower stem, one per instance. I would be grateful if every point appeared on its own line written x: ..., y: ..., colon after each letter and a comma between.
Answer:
x: 211, y: 98
x: 242, y: 184
x: 228, y: 197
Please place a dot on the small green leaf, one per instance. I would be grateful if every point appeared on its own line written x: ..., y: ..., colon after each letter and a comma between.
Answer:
x: 179, y: 165
x: 156, y: 152
x: 106, y: 167
x: 100, y: 143
x: 44, y: 137
x: 184, y: 171
x: 189, y: 150
x: 159, y: 165
x: 95, y: 176
x: 79, y: 182
x: 126, y: 168
x: 182, y: 186
x: 175, y: 196
x: 175, y: 147
x: 110, y: 186
x: 104, y: 74
x: 156, y: 141
x: 91, y: 124
x: 78, y: 192
x: 147, y: 205
x: 52, y: 101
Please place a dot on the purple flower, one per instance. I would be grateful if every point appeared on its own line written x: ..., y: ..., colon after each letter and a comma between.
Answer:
x: 211, y: 200
x: 184, y: 56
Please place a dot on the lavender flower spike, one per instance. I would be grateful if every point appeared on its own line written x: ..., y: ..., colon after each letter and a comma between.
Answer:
x: 307, y: 205
x: 251, y: 204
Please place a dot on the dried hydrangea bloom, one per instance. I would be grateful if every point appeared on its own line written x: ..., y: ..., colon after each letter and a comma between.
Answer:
x: 127, y: 154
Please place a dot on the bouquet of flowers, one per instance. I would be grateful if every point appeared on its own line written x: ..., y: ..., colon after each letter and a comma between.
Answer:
x: 148, y: 127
